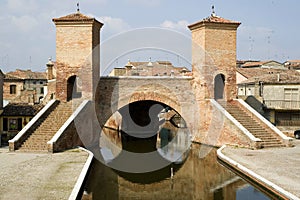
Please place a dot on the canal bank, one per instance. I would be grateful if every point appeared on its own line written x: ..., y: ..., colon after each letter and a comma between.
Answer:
x: 40, y: 176
x: 274, y: 168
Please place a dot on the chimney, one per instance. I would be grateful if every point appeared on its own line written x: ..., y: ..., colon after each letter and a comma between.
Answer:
x: 50, y: 69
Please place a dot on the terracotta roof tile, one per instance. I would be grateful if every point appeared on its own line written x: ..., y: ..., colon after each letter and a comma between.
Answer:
x: 256, y: 63
x: 255, y: 72
x: 25, y: 74
x: 270, y: 75
x: 76, y: 17
x: 73, y: 16
x: 22, y: 109
x: 213, y: 19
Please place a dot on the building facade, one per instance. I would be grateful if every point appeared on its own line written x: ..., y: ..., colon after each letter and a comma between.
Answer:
x: 24, y: 86
x: 274, y: 93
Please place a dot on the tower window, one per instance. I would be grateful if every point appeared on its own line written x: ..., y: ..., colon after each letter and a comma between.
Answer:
x: 12, y: 89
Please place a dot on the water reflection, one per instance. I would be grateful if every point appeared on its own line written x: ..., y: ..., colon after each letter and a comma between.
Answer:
x: 196, y: 178
x: 123, y: 152
x: 163, y: 166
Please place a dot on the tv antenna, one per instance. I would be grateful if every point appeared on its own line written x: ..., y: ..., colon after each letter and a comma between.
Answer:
x: 251, y: 41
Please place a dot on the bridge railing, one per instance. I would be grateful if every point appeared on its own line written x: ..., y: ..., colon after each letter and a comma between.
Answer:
x: 67, y: 137
x: 17, y: 141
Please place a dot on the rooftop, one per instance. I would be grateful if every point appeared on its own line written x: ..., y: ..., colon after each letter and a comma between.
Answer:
x: 152, y: 68
x: 214, y: 19
x: 26, y: 74
x: 21, y: 109
x: 260, y: 63
x: 270, y: 76
x: 75, y: 17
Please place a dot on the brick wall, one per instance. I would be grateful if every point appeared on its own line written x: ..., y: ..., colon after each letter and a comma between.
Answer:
x: 68, y: 140
x: 6, y: 89
x: 77, y: 53
x: 214, y: 52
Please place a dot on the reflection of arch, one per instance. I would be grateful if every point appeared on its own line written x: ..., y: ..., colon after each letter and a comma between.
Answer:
x: 219, y: 85
x: 72, y: 89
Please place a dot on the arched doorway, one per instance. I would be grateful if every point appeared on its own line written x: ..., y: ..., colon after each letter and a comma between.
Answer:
x: 72, y: 88
x: 219, y: 85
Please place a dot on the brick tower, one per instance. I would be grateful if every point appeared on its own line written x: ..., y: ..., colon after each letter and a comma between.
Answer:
x: 77, y: 56
x: 214, y: 57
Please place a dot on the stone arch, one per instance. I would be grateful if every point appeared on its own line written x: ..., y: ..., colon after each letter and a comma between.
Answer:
x: 110, y: 99
x: 219, y: 86
x: 72, y: 88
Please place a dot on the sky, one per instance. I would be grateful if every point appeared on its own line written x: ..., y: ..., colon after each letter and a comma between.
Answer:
x: 269, y: 30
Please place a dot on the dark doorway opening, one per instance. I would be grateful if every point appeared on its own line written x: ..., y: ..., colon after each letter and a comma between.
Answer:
x: 219, y: 85
x: 72, y: 89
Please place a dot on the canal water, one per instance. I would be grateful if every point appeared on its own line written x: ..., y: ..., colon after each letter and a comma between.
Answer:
x: 186, y: 174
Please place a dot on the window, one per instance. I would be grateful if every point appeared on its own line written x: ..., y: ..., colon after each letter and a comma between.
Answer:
x: 291, y: 98
x: 34, y: 82
x: 41, y: 82
x: 42, y: 90
x: 291, y: 94
x: 12, y: 89
x: 15, y: 124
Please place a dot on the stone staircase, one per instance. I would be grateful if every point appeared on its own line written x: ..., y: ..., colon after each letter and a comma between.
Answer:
x: 253, y: 125
x: 37, y: 141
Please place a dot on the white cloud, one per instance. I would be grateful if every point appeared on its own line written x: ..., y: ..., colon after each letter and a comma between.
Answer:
x: 180, y: 25
x: 114, y: 25
x: 24, y: 23
x: 22, y: 6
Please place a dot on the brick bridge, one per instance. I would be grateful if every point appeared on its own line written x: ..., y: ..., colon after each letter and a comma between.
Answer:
x: 77, y: 74
x: 114, y: 93
x: 213, y: 73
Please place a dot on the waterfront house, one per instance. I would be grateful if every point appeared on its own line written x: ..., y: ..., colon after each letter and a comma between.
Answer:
x: 14, y: 117
x: 275, y: 93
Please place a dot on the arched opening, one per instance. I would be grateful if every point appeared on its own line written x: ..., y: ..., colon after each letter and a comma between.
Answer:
x: 145, y: 130
x: 219, y: 85
x: 72, y: 88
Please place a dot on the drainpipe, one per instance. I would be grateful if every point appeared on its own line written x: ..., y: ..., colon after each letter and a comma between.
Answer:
x: 261, y: 89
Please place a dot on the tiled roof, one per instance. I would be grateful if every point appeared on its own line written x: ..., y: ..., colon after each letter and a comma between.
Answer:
x: 74, y: 18
x: 157, y: 68
x: 294, y: 61
x: 252, y: 64
x: 26, y: 74
x: 270, y: 76
x: 258, y: 63
x: 213, y: 19
x: 217, y: 19
x: 21, y: 109
x: 295, y: 64
x: 255, y: 72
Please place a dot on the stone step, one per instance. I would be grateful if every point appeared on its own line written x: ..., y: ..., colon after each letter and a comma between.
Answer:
x: 273, y: 145
x: 259, y: 130
x: 49, y: 125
